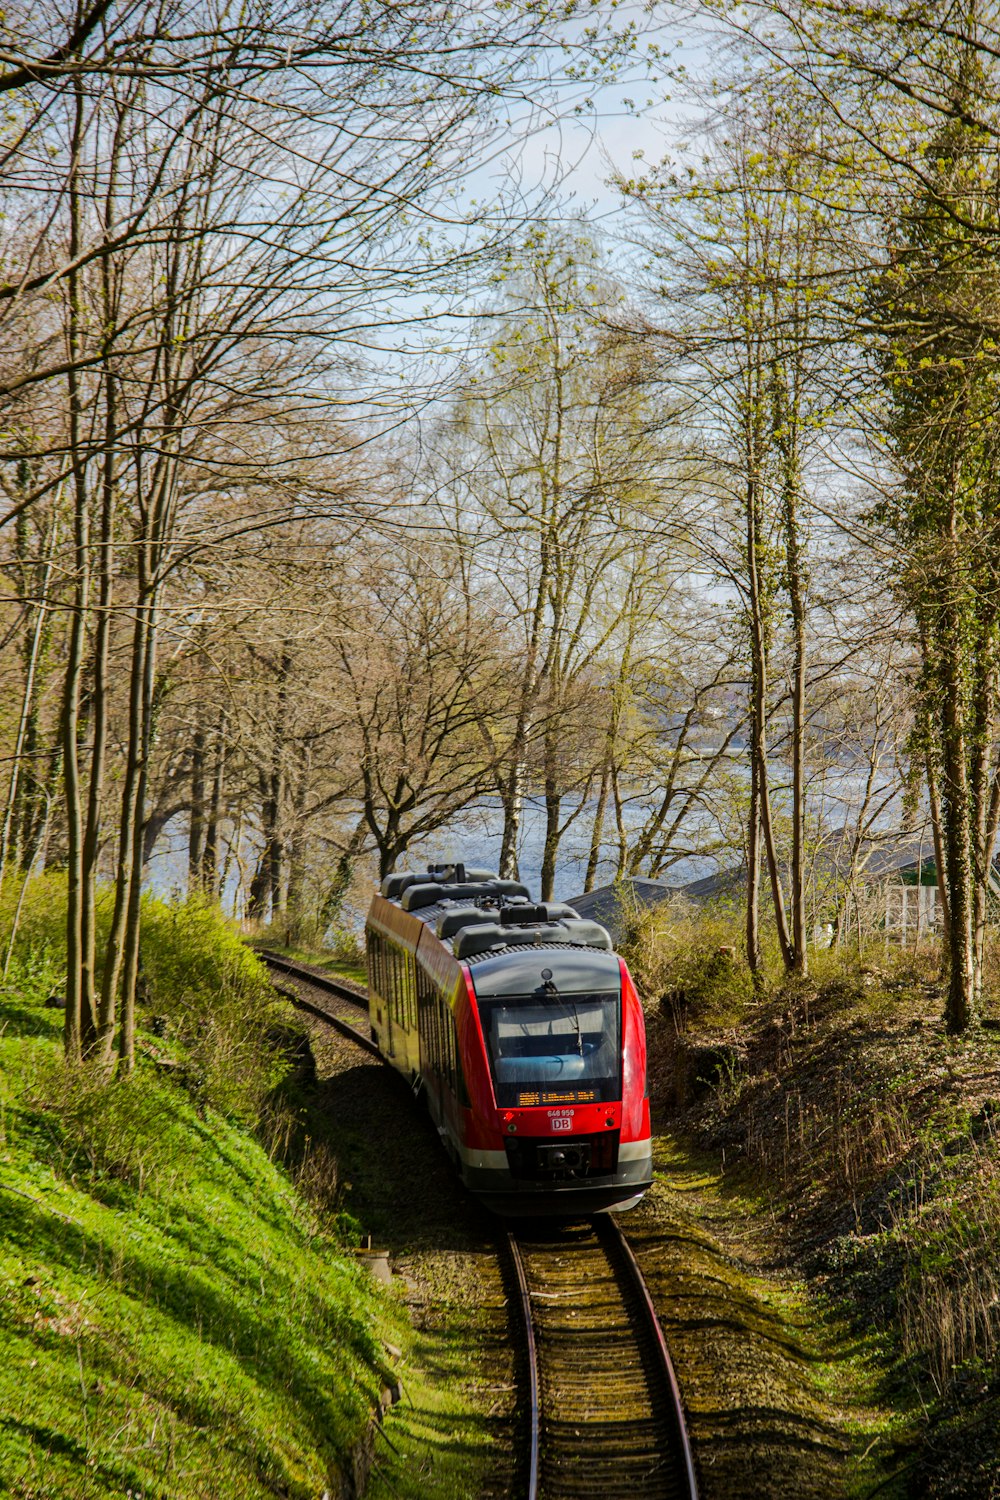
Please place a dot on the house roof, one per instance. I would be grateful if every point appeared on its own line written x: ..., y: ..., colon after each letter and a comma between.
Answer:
x: 881, y: 857
x: 609, y: 904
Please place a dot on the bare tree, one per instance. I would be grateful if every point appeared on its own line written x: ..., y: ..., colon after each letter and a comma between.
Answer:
x: 749, y: 341
x: 572, y: 505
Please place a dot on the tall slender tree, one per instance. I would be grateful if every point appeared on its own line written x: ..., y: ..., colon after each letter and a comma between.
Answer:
x: 937, y: 313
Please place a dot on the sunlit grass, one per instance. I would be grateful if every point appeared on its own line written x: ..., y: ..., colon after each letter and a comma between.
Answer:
x: 173, y: 1320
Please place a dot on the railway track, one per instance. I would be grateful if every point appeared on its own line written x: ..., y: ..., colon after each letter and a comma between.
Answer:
x: 354, y: 1025
x: 605, y: 1409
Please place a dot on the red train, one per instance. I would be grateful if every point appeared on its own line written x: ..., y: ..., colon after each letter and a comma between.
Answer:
x: 524, y: 1032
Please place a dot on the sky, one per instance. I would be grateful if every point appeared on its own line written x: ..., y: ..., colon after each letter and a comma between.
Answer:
x: 640, y: 111
x: 559, y: 171
x: 583, y: 152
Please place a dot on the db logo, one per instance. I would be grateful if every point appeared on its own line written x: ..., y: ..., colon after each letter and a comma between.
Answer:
x: 560, y: 1122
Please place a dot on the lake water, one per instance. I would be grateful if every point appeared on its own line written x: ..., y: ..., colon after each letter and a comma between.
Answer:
x: 474, y: 836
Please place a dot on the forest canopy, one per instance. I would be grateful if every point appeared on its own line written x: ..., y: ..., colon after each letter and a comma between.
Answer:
x: 350, y: 482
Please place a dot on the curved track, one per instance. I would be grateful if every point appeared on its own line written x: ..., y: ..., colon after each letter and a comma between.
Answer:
x: 606, y: 1415
x: 348, y: 1025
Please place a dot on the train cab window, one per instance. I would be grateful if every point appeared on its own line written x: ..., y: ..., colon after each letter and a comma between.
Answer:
x: 563, y: 1049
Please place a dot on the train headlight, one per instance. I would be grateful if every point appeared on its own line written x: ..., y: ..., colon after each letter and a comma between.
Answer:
x: 511, y: 1128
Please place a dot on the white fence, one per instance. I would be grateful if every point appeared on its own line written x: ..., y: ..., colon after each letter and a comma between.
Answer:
x: 891, y: 913
x: 912, y: 912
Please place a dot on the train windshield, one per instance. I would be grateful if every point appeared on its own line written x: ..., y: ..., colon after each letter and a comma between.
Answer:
x: 560, y: 1050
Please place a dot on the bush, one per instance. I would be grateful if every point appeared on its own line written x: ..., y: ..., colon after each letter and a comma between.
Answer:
x: 208, y: 990
x: 216, y: 998
x: 41, y: 932
x: 689, y: 959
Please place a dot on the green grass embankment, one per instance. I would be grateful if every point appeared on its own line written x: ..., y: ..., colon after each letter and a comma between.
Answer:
x: 176, y: 1320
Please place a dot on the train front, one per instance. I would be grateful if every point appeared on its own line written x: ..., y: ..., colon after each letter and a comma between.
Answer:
x: 561, y: 1122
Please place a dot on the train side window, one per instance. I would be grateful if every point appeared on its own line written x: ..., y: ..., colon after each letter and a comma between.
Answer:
x: 398, y: 971
x: 460, y: 1088
x: 410, y: 991
x: 425, y: 1002
x: 422, y: 1018
x: 375, y: 961
x: 447, y: 1033
x: 450, y: 1034
x: 436, y: 1037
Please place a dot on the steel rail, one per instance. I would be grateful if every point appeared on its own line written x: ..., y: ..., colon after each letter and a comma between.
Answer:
x: 607, y: 1227
x: 664, y: 1392
x: 311, y: 976
x: 534, y: 1404
x: 338, y: 1023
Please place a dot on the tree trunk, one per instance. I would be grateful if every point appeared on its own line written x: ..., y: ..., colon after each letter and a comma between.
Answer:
x: 29, y: 710
x: 960, y: 1012
x: 130, y: 815
x: 210, y: 850
x: 512, y: 802
x: 99, y: 692
x: 197, y: 824
x: 265, y: 887
x: 753, y: 874
x: 758, y: 709
x: 553, y: 804
x: 130, y: 948
x: 597, y: 831
x: 79, y: 980
x: 796, y: 593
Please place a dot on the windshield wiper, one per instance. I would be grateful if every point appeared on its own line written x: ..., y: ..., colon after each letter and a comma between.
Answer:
x: 579, y: 1035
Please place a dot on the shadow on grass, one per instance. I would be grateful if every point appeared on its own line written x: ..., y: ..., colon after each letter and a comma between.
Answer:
x: 394, y: 1175
x: 240, y: 1323
x: 29, y: 1020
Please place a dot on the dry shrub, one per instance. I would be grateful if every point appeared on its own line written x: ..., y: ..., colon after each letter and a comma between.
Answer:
x: 829, y: 1132
x: 949, y: 1228
x: 688, y: 959
x: 317, y: 1177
